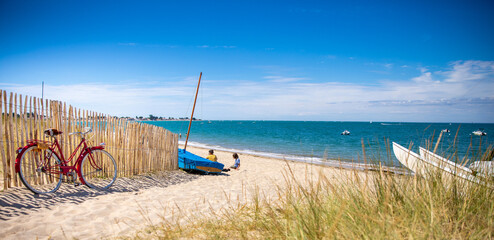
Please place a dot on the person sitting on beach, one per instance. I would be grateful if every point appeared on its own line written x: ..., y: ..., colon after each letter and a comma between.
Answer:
x: 237, y: 162
x: 211, y: 156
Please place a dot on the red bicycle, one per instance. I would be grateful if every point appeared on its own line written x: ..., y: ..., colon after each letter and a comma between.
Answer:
x: 42, y: 166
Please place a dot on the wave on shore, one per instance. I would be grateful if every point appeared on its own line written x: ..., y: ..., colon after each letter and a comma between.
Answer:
x: 311, y: 160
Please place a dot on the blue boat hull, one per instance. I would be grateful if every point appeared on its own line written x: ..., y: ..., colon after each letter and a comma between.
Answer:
x: 189, y: 161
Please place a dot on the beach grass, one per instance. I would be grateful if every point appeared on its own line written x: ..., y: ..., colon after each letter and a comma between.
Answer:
x: 374, y: 205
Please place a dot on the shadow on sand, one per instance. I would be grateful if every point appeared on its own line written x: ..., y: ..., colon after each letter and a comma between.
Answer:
x: 20, y: 201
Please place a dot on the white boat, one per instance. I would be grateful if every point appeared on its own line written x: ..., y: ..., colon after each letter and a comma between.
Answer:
x: 409, y: 159
x: 485, y: 168
x: 445, y: 130
x: 444, y: 163
x: 346, y: 132
x: 477, y: 168
x: 430, y: 163
x: 479, y: 132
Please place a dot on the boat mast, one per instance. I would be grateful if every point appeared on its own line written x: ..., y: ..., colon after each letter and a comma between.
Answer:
x: 193, y: 108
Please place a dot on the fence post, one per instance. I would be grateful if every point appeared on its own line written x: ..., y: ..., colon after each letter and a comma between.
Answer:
x: 136, y: 147
x: 4, y: 142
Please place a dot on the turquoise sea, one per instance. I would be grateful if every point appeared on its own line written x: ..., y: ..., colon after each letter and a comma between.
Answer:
x: 322, y: 142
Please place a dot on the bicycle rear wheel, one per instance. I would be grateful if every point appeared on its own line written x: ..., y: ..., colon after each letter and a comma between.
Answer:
x: 40, y: 171
x: 98, y: 169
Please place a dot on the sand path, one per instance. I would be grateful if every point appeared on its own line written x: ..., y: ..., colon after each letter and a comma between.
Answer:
x: 132, y: 204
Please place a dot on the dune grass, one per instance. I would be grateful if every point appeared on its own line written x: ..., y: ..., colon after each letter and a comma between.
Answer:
x: 372, y: 205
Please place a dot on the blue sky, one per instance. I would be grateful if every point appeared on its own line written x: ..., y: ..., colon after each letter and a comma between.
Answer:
x: 430, y: 61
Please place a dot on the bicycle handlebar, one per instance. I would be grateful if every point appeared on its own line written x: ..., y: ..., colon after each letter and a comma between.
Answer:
x: 86, y: 131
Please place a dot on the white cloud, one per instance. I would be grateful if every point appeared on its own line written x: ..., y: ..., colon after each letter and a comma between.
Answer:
x: 224, y: 46
x: 470, y: 70
x: 427, y: 97
x: 281, y: 79
x: 462, y: 93
x: 117, y: 100
x: 423, y: 78
x: 132, y: 44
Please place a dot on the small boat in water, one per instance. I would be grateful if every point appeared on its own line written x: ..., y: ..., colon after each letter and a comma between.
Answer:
x: 445, y: 130
x: 479, y: 132
x: 346, y: 132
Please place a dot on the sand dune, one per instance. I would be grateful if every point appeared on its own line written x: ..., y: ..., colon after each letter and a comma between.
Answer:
x: 134, y: 203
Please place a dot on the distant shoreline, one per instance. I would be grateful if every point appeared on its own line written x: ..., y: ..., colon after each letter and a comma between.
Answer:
x: 167, y: 120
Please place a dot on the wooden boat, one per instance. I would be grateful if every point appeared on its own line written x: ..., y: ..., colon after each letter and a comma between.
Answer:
x: 191, y: 162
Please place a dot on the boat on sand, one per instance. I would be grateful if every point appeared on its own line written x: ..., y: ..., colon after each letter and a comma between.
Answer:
x: 483, y: 167
x: 443, y: 162
x: 428, y: 163
x: 191, y: 162
x: 409, y: 159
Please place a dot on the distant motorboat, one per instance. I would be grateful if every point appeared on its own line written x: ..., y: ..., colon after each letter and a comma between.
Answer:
x: 445, y: 130
x: 479, y: 132
x: 346, y: 132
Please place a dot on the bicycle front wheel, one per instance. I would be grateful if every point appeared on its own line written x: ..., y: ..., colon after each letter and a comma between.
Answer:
x: 40, y: 171
x: 98, y: 169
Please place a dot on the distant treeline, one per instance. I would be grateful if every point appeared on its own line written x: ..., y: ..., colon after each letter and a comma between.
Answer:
x: 140, y: 118
x: 156, y: 118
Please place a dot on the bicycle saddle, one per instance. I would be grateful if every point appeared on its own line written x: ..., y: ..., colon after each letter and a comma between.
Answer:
x: 52, y: 132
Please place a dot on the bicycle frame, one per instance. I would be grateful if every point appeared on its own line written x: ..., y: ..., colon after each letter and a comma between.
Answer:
x: 56, y: 149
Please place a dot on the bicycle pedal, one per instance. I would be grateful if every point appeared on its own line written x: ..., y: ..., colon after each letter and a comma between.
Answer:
x: 76, y: 184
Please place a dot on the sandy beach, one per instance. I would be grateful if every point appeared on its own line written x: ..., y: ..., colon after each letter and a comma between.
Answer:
x: 133, y: 204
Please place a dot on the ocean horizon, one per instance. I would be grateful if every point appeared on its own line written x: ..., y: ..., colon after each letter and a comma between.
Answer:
x: 321, y: 142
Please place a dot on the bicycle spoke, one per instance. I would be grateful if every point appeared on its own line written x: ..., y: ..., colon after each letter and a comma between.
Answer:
x: 39, y: 170
x: 98, y: 169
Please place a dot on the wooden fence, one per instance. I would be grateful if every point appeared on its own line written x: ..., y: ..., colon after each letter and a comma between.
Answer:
x: 136, y: 147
